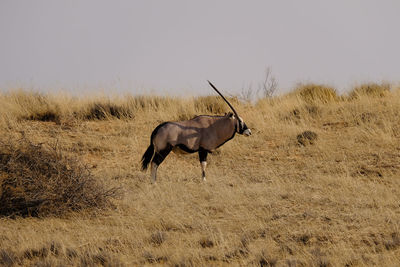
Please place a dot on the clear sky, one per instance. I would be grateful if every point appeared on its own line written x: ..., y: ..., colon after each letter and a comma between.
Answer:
x: 174, y: 46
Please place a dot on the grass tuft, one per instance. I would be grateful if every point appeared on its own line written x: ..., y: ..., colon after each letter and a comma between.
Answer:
x: 157, y: 238
x: 307, y: 138
x: 370, y: 89
x: 316, y: 93
x: 46, y: 115
x: 210, y: 104
x: 103, y: 111
x: 213, y: 104
x: 7, y: 257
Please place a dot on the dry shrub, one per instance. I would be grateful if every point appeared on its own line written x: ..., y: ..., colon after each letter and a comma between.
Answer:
x: 157, y: 238
x: 46, y: 115
x: 302, y: 112
x: 107, y: 110
x: 264, y: 260
x: 213, y: 104
x: 33, y: 106
x: 7, y: 257
x: 99, y: 259
x: 38, y: 180
x: 307, y: 138
x: 206, y: 242
x: 54, y: 254
x: 311, y: 93
x: 393, y: 242
x: 151, y: 258
x: 151, y: 103
x: 370, y: 89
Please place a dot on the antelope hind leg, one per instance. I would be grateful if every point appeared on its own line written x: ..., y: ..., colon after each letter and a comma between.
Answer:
x: 157, y: 160
x: 154, y: 167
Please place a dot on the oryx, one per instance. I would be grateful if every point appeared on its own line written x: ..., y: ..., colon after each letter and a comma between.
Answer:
x: 202, y: 134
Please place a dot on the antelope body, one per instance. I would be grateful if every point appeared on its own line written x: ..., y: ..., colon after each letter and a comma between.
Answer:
x: 202, y: 134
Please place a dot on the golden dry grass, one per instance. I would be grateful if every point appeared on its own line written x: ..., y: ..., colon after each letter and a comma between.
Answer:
x: 268, y: 200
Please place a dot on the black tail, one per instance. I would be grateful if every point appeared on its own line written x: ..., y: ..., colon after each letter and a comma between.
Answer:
x: 147, y: 156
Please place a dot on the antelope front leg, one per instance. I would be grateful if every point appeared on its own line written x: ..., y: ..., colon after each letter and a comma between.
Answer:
x: 203, y: 161
x: 203, y: 169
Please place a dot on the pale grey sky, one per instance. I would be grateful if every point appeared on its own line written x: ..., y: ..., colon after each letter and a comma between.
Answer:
x: 175, y: 46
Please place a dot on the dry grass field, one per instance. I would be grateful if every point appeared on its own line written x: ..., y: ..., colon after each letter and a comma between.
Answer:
x: 328, y: 197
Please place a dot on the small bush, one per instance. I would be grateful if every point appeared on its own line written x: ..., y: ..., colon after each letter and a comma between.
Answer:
x: 157, y: 238
x: 210, y: 104
x: 370, y: 89
x: 206, y: 242
x: 307, y: 138
x: 102, y: 111
x: 37, y: 180
x: 266, y: 260
x: 34, y: 106
x: 101, y: 258
x: 7, y: 257
x: 153, y: 103
x: 311, y: 93
x: 46, y: 115
x: 213, y: 104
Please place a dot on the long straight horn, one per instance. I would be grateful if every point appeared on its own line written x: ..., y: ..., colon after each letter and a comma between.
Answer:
x: 229, y: 104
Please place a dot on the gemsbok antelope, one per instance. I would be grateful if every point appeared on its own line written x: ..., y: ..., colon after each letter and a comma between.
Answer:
x: 202, y: 134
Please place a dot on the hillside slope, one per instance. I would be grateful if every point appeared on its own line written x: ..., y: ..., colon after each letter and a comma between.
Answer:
x: 274, y: 198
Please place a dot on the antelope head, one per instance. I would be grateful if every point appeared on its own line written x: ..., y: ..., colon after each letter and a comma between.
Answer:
x: 242, y: 127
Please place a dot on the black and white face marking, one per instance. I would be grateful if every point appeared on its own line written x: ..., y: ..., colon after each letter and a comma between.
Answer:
x: 243, y: 129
